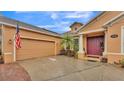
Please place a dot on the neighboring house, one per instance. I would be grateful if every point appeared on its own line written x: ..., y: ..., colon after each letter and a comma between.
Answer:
x: 73, y: 31
x: 103, y: 36
x: 35, y: 41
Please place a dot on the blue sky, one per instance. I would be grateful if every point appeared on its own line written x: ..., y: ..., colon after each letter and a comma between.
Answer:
x: 57, y: 21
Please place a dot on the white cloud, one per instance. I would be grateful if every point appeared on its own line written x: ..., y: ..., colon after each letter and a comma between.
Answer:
x: 59, y: 18
x: 65, y: 29
x: 24, y: 11
x: 57, y: 24
x: 60, y: 26
x: 70, y: 14
x: 54, y: 16
x: 78, y: 14
x: 64, y: 22
x: 47, y: 26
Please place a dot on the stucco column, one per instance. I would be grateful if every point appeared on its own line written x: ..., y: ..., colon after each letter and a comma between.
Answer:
x: 105, y: 43
x: 122, y: 40
x: 81, y: 44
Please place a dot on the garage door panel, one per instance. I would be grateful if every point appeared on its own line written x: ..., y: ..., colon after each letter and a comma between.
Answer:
x: 35, y: 48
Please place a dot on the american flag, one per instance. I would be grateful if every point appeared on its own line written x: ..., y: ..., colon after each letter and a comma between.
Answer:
x: 17, y: 38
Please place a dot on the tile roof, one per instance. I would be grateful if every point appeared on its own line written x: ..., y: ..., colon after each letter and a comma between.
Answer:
x: 26, y: 25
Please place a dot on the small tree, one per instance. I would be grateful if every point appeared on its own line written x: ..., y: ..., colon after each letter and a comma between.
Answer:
x: 67, y: 42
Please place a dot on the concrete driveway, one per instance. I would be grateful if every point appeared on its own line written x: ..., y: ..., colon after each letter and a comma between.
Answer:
x: 62, y: 68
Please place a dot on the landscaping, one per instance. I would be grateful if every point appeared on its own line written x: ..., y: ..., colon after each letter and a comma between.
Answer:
x: 69, y: 48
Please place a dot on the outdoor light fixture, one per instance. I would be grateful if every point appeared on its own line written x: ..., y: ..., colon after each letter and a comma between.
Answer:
x: 10, y: 41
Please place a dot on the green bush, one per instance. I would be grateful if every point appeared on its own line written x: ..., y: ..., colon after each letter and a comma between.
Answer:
x: 122, y: 62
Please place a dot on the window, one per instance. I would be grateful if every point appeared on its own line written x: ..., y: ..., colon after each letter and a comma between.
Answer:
x: 75, y: 28
x: 76, y: 44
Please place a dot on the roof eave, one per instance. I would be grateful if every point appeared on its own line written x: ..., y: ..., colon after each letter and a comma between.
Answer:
x: 17, y: 21
x: 36, y: 31
x: 114, y: 20
x: 90, y: 21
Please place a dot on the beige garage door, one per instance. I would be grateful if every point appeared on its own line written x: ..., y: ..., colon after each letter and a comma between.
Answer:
x: 35, y: 48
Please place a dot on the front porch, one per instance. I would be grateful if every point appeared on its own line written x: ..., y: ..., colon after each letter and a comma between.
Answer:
x: 92, y: 45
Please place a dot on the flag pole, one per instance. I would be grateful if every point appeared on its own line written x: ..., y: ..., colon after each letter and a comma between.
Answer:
x: 16, y: 42
x: 14, y: 46
x: 14, y: 49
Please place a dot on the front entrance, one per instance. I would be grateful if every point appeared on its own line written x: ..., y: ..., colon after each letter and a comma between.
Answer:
x: 95, y: 45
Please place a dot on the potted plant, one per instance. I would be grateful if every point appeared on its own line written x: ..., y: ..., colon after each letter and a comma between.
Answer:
x: 71, y: 53
x: 122, y: 63
x: 76, y: 55
x: 62, y: 52
x: 103, y: 59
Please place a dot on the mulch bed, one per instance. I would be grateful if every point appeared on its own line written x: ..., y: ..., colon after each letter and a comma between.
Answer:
x: 13, y: 72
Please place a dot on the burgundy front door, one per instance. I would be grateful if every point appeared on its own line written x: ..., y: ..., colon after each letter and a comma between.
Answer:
x: 95, y: 45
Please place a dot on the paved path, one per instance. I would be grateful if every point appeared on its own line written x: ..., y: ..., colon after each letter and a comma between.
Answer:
x: 62, y: 68
x: 13, y: 72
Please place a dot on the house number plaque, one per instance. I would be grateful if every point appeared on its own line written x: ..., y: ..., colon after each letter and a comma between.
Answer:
x: 114, y: 36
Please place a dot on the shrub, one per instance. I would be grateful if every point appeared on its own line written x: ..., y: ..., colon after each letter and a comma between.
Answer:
x: 122, y: 62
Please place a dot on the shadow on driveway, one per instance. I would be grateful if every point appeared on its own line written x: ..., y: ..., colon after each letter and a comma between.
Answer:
x: 13, y: 72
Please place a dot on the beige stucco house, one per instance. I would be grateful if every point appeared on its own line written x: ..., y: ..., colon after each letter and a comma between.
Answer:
x: 103, y: 36
x: 35, y: 41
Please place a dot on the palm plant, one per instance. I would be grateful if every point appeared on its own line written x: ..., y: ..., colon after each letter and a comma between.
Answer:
x: 67, y: 42
x: 68, y: 45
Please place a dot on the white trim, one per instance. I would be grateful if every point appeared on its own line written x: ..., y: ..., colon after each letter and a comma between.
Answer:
x: 8, y: 53
x: 113, y: 19
x: 27, y: 37
x: 122, y: 39
x: 105, y: 42
x: 55, y: 48
x: 92, y: 31
x: 111, y: 53
x: 36, y: 31
x: 81, y: 44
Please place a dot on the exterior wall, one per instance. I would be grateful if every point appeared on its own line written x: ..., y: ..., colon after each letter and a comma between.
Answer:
x: 114, y: 44
x: 81, y: 56
x: 7, y: 48
x: 114, y: 58
x: 97, y: 23
x: 8, y: 34
x: 75, y: 26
